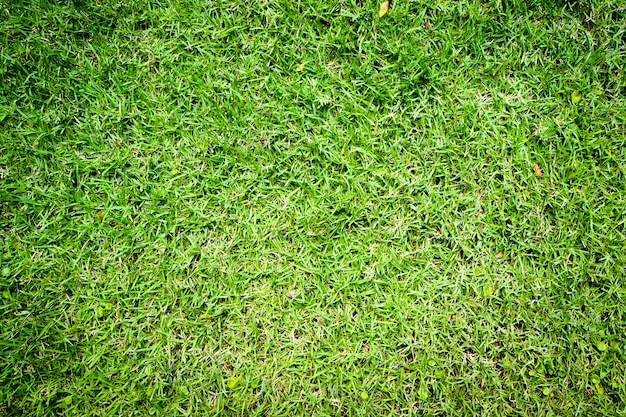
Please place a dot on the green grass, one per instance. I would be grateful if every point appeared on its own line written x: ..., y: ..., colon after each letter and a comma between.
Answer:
x: 191, y: 226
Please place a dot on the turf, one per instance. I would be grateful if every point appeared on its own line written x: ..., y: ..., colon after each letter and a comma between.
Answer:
x: 291, y: 207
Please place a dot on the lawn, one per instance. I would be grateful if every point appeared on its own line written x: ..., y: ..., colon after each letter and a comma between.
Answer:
x: 299, y: 207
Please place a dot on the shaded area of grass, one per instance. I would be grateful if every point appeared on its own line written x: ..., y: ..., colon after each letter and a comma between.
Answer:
x: 191, y: 225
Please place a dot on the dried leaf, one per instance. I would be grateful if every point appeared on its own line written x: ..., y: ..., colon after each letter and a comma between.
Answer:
x: 538, y: 172
x: 300, y: 67
x: 99, y: 215
x: 426, y: 24
x: 292, y: 294
x: 500, y: 255
x: 384, y: 8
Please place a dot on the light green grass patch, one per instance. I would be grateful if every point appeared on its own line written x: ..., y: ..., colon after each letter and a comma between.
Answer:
x: 193, y: 223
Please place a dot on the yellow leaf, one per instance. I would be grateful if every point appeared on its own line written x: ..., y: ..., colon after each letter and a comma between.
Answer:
x: 300, y: 68
x: 538, y: 172
x: 233, y: 382
x: 175, y: 171
x: 205, y: 316
x: 488, y: 291
x: 576, y: 97
x: 384, y: 8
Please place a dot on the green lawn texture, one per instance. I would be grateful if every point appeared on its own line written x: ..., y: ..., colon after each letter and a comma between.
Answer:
x: 278, y: 208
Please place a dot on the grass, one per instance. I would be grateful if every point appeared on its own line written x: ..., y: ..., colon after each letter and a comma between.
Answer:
x: 193, y: 223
